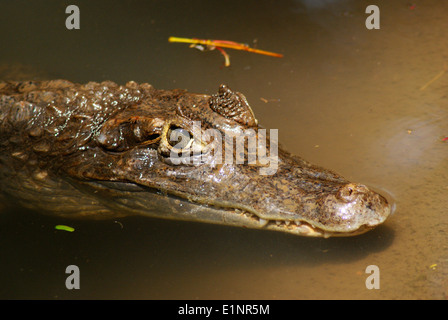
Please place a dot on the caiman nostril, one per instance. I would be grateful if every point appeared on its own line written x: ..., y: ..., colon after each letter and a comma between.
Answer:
x: 351, y: 191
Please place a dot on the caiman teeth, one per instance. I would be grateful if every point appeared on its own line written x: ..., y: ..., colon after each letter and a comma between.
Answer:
x: 294, y: 226
x: 286, y: 223
x: 297, y: 225
x: 263, y: 222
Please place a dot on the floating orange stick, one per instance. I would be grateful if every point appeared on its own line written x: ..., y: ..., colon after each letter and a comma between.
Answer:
x: 224, y: 44
x: 226, y: 56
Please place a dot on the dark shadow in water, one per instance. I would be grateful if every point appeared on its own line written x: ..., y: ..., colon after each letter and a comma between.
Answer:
x: 119, y: 254
x: 242, y: 247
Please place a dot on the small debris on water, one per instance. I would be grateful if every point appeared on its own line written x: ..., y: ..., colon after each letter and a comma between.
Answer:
x: 64, y: 228
x: 119, y: 223
x: 441, y: 73
x: 269, y: 100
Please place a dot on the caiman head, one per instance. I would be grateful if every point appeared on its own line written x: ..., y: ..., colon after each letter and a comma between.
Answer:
x: 179, y: 156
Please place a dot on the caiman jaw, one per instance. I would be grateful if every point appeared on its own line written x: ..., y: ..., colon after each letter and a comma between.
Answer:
x: 226, y: 213
x: 351, y: 210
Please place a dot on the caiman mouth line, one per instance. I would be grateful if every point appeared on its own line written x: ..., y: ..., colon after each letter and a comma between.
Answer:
x: 296, y: 226
x: 249, y: 218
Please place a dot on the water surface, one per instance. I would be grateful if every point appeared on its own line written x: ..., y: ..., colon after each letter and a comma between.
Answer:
x: 343, y: 97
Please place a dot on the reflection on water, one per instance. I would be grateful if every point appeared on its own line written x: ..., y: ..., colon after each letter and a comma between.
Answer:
x: 342, y: 97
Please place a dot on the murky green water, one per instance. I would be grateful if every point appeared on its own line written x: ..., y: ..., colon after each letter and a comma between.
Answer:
x: 343, y: 97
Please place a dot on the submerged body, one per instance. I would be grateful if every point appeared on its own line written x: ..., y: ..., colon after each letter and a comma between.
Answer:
x: 102, y: 150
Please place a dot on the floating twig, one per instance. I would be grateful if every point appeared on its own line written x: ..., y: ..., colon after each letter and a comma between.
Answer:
x: 269, y: 100
x: 441, y: 73
x: 226, y: 56
x: 219, y: 44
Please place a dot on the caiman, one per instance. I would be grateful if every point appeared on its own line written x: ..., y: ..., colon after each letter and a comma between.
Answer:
x: 103, y: 150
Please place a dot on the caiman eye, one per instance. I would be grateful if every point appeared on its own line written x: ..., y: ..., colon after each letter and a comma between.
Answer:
x: 179, y: 138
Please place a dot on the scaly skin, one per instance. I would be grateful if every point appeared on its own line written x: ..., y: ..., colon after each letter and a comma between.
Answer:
x: 102, y: 150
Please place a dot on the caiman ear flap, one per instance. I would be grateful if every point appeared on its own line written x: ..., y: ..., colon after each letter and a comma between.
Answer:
x: 233, y: 105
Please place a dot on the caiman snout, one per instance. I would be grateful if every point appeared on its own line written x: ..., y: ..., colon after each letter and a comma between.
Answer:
x: 355, y: 208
